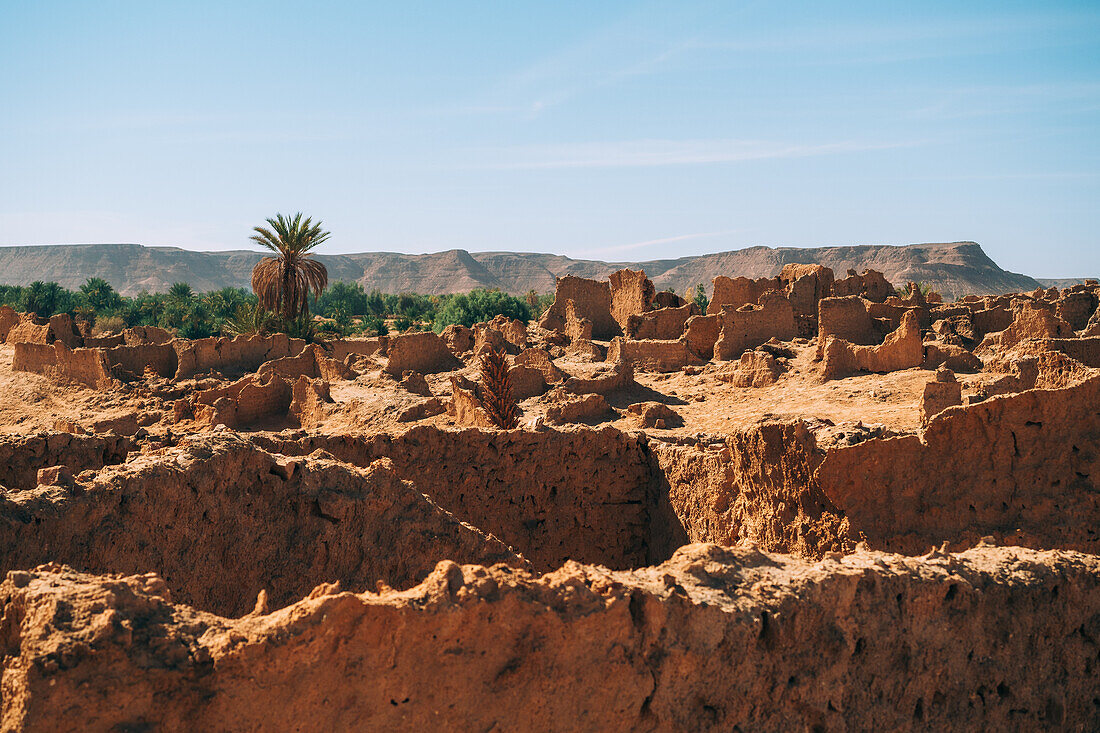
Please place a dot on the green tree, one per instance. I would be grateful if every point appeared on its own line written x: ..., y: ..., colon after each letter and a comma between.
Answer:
x: 478, y: 306
x: 248, y: 320
x: 180, y: 293
x: 373, y: 326
x: 12, y: 295
x: 98, y: 295
x: 225, y: 303
x: 45, y: 299
x: 197, y: 322
x: 376, y: 304
x: 415, y: 307
x: 284, y: 282
x: 349, y: 298
x: 147, y: 308
x: 701, y: 301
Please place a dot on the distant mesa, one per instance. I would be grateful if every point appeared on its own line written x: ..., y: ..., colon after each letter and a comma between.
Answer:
x: 954, y: 269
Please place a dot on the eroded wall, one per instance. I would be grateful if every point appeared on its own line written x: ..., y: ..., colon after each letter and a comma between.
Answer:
x: 714, y: 639
x: 220, y: 520
x: 577, y: 494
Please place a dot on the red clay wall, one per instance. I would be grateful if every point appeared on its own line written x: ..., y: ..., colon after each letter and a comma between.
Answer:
x: 552, y: 495
x: 221, y: 520
x: 716, y: 639
x: 21, y: 456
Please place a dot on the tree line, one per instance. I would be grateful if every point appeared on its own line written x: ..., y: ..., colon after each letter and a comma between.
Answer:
x: 346, y: 309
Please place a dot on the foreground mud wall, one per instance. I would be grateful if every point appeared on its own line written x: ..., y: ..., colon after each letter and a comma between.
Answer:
x: 221, y: 520
x: 22, y: 456
x: 714, y: 639
x: 577, y: 494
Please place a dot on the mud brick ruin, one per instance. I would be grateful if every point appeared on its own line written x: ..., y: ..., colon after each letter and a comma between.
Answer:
x: 817, y: 505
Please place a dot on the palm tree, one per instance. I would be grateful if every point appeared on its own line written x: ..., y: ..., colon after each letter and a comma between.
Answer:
x: 283, y: 283
x: 180, y: 292
x: 43, y: 299
x: 99, y: 294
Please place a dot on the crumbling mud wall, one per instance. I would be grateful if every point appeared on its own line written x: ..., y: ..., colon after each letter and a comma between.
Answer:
x: 246, y: 401
x: 846, y: 318
x: 1023, y: 467
x: 989, y: 639
x: 555, y: 495
x: 220, y: 520
x: 990, y: 320
x: 313, y: 362
x: 653, y: 355
x: 31, y: 330
x: 1077, y: 307
x: 806, y: 285
x: 604, y: 379
x: 871, y: 285
x: 757, y: 368
x: 591, y: 300
x: 22, y: 456
x: 97, y: 368
x: 902, y: 349
x: 661, y: 324
x: 1085, y: 350
x: 139, y: 335
x: 757, y: 485
x: 576, y: 327
x: 231, y: 356
x: 342, y: 348
x: 131, y: 361
x: 9, y: 319
x: 889, y: 315
x: 701, y: 333
x: 752, y: 325
x: 632, y: 293
x: 734, y: 292
x: 64, y: 330
x: 57, y: 361
x: 423, y: 352
x: 1030, y: 320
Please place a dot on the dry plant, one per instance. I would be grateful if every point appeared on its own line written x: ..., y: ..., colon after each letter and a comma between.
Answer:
x: 496, y: 390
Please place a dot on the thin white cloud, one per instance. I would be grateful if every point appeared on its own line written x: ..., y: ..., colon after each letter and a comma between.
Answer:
x: 635, y: 44
x: 663, y: 240
x: 649, y: 153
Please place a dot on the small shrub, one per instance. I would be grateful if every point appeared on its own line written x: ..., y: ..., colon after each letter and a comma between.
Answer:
x: 108, y: 324
x: 248, y: 321
x: 925, y: 289
x: 373, y: 326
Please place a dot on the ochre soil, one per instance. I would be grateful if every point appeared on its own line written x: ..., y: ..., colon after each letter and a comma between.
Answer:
x: 321, y: 542
x: 369, y: 403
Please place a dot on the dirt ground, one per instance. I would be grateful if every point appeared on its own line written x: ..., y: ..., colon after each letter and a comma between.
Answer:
x: 370, y: 402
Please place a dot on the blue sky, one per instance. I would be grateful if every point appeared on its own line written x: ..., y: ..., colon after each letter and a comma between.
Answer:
x: 611, y: 130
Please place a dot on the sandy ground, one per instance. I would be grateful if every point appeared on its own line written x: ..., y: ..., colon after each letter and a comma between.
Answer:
x: 371, y: 402
x: 706, y: 404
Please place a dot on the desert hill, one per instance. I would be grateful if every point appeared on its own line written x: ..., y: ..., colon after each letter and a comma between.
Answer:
x: 955, y: 269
